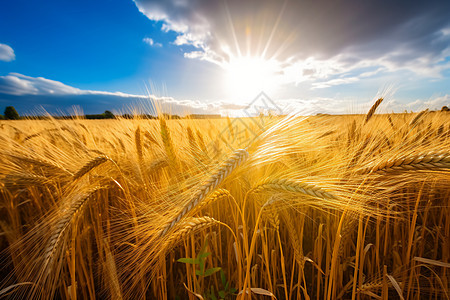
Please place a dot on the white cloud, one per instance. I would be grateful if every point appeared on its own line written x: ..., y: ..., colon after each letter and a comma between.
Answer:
x: 312, y: 41
x: 150, y: 42
x: 30, y: 91
x: 6, y: 53
x: 338, y: 81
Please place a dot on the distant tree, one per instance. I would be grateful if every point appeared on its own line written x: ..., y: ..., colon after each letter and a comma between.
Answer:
x: 108, y: 115
x: 445, y: 108
x: 11, y: 113
x: 2, y: 117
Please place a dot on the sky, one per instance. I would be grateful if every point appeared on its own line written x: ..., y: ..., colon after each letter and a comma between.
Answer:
x: 204, y: 56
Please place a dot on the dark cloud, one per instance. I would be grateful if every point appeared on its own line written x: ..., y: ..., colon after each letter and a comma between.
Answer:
x: 394, y: 34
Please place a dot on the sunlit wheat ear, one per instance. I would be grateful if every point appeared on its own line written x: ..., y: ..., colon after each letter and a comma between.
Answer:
x: 189, y: 226
x: 149, y: 137
x: 217, y: 195
x: 201, y: 141
x: 192, y: 143
x: 390, y: 122
x: 372, y: 110
x: 111, y: 272
x: 428, y: 161
x: 91, y: 165
x: 295, y: 239
x: 295, y: 187
x: 44, y: 164
x: 417, y: 118
x: 167, y: 141
x: 25, y: 180
x: 68, y: 215
x: 230, y: 164
x: 138, y: 142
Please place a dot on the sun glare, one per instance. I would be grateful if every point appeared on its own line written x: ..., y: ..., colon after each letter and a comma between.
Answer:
x: 248, y: 76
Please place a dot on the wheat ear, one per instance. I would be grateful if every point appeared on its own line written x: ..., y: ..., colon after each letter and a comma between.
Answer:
x: 417, y: 118
x: 63, y: 224
x: 373, y: 109
x: 295, y: 187
x: 295, y: 240
x: 91, y: 165
x: 217, y: 195
x: 428, y: 161
x: 168, y: 144
x: 189, y: 226
x: 230, y: 164
x: 38, y: 162
x: 390, y: 122
x: 138, y: 141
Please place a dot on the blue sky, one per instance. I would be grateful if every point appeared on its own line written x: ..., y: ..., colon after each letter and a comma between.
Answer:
x: 215, y: 56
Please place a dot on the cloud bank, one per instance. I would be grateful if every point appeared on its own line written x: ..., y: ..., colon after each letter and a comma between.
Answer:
x: 6, y: 53
x: 30, y: 94
x: 313, y: 40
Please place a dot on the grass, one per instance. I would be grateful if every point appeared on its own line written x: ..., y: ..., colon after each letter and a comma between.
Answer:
x: 322, y: 207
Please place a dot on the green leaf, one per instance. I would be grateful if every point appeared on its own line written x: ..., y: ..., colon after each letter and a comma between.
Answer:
x: 202, y: 265
x: 211, y: 271
x: 223, y: 278
x: 213, y: 294
x: 199, y: 273
x: 203, y: 255
x: 186, y: 260
x: 204, y: 247
x: 222, y: 294
x: 233, y: 290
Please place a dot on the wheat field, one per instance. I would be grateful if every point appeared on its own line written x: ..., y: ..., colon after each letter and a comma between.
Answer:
x: 320, y: 207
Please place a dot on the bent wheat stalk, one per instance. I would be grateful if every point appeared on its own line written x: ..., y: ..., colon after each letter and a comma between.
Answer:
x: 417, y: 118
x: 373, y: 109
x: 91, y: 165
x: 232, y: 163
x: 189, y: 226
x: 295, y: 187
x: 427, y: 161
x: 63, y: 224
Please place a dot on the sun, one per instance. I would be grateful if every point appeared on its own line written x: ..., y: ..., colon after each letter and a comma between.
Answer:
x: 247, y: 76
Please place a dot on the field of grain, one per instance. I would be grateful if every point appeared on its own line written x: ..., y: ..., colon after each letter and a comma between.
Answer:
x: 321, y: 207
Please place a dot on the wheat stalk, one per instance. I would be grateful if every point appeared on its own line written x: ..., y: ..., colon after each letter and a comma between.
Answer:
x: 295, y: 187
x: 417, y: 118
x: 294, y: 239
x: 91, y: 165
x: 271, y: 215
x: 189, y: 226
x: 427, y: 161
x: 168, y: 144
x: 372, y: 110
x: 217, y: 195
x: 80, y: 201
x: 390, y: 122
x: 138, y: 141
x: 111, y: 272
x: 38, y: 162
x: 192, y: 143
x: 230, y: 164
